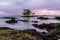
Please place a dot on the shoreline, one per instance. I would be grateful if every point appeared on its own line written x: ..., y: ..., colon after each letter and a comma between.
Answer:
x: 7, y: 32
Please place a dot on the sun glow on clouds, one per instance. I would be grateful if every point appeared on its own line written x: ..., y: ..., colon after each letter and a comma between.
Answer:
x: 46, y: 12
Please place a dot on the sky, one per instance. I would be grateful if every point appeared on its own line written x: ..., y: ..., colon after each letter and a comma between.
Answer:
x: 39, y: 7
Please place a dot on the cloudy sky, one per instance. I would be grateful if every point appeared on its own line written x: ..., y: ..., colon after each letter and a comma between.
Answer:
x: 39, y: 7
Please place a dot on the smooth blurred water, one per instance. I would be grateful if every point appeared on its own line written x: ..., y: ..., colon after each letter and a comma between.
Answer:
x: 27, y: 25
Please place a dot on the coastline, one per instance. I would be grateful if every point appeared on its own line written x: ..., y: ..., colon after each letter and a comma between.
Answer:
x: 28, y: 34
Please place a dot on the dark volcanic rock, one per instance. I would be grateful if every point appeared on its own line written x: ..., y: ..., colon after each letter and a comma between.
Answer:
x: 45, y: 18
x: 24, y: 20
x: 58, y: 18
x: 28, y: 16
x: 3, y: 28
x: 32, y: 32
x: 43, y: 26
x: 12, y: 21
x: 35, y: 21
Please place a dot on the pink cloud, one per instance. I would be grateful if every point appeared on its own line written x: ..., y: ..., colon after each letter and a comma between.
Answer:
x: 46, y: 12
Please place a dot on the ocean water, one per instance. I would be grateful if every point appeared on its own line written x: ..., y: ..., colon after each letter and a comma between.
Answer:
x: 27, y: 25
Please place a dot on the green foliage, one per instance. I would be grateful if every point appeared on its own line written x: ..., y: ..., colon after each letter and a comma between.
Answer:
x: 9, y: 34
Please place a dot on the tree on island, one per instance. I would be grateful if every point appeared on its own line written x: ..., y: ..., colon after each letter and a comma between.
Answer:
x: 27, y: 12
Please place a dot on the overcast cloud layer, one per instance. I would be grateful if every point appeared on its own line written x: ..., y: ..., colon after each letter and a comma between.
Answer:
x: 16, y: 6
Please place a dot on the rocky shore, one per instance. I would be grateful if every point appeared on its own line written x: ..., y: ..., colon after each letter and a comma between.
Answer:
x: 31, y: 34
x: 12, y: 34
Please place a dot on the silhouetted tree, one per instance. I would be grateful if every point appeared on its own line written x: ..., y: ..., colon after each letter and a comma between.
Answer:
x: 27, y: 12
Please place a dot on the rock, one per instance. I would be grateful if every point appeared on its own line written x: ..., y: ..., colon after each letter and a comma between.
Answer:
x: 44, y: 18
x: 44, y: 26
x: 35, y: 21
x: 24, y: 20
x: 5, y: 28
x: 58, y: 18
x: 12, y: 21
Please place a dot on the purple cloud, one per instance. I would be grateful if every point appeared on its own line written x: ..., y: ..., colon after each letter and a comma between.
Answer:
x: 16, y: 6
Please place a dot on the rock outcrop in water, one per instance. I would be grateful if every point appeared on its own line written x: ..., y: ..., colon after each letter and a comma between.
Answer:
x: 44, y: 18
x: 35, y: 21
x: 12, y: 21
x: 58, y: 18
x: 43, y: 26
x: 53, y: 30
x: 28, y: 16
x: 24, y: 20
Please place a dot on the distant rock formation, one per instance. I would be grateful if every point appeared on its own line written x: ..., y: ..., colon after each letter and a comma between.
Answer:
x: 12, y: 21
x: 44, y: 18
x: 58, y: 18
x: 35, y: 21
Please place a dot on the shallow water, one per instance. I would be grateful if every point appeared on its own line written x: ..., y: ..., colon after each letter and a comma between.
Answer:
x: 27, y: 25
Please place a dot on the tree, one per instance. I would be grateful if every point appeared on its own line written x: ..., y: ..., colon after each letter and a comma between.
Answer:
x: 27, y: 12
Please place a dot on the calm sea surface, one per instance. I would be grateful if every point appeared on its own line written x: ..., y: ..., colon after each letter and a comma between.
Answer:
x: 27, y: 25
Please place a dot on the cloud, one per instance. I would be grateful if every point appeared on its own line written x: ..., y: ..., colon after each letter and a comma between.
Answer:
x: 46, y: 12
x: 16, y: 6
x: 36, y: 4
x: 4, y: 3
x: 9, y: 8
x: 3, y: 13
